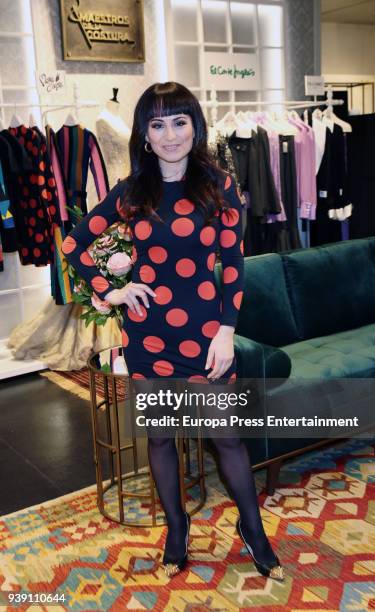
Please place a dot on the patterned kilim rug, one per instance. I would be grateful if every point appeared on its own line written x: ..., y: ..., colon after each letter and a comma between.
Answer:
x: 321, y: 520
x: 78, y: 383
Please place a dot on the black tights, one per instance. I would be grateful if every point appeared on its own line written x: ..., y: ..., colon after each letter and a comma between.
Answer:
x: 235, y: 466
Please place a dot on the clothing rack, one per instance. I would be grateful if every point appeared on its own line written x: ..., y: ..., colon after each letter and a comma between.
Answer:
x: 76, y: 104
x: 213, y: 103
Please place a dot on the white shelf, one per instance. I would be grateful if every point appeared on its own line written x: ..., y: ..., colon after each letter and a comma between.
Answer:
x: 12, y: 367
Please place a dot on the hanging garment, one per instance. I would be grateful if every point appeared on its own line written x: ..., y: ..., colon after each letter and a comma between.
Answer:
x: 38, y: 200
x: 79, y: 149
x: 61, y: 283
x: 331, y: 189
x: 15, y: 164
x: 361, y: 175
x: 73, y: 149
x: 288, y: 176
x: 9, y: 171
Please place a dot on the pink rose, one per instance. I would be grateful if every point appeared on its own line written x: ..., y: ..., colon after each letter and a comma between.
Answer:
x: 119, y: 264
x: 101, y: 306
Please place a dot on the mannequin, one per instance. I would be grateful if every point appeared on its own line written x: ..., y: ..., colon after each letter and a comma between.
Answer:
x: 113, y: 136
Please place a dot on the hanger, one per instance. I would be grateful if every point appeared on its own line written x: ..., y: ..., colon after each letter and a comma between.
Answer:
x: 71, y: 119
x: 15, y: 121
x: 329, y: 114
x: 32, y: 121
x: 248, y: 122
x: 227, y: 124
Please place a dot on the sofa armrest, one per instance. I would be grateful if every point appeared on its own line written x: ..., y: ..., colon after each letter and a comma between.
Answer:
x: 256, y: 360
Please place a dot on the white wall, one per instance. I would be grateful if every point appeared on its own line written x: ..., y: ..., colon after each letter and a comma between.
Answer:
x: 348, y: 54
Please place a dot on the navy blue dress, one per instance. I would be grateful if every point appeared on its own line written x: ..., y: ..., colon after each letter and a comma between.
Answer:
x: 175, y: 257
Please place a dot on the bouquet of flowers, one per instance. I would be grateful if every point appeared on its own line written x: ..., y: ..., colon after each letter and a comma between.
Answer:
x: 112, y: 255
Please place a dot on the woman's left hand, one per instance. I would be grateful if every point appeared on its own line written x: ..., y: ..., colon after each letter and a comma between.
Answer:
x: 221, y: 352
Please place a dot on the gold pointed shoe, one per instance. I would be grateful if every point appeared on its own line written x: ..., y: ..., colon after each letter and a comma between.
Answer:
x: 172, y: 567
x: 276, y: 572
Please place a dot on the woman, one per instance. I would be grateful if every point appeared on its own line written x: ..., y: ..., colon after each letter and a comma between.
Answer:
x: 180, y: 207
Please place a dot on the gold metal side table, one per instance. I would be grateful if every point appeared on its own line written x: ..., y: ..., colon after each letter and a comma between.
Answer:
x: 116, y: 448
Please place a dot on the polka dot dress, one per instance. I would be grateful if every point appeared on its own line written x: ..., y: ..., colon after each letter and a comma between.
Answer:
x: 175, y: 257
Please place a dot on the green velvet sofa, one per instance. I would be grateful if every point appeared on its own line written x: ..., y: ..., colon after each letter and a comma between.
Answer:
x: 305, y: 314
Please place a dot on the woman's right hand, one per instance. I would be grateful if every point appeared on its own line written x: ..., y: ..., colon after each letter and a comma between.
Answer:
x: 128, y: 295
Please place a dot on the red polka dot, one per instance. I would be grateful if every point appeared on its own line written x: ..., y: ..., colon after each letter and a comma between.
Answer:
x: 147, y: 274
x: 25, y: 251
x: 182, y: 227
x: 86, y: 259
x: 41, y: 180
x: 138, y: 376
x: 157, y: 254
x: 241, y: 246
x: 124, y: 338
x: 227, y: 183
x: 207, y: 235
x: 210, y: 328
x: 99, y: 283
x: 134, y: 254
x: 237, y: 298
x: 23, y: 129
x: 51, y: 182
x: 183, y: 207
x: 196, y: 378
x: 177, y: 317
x: 206, y: 290
x: 44, y: 194
x: 35, y: 151
x: 29, y: 145
x: 97, y: 225
x: 39, y: 238
x: 163, y: 368
x: 211, y: 260
x: 230, y: 217
x: 154, y: 344
x: 230, y: 274
x: 185, y: 267
x: 52, y: 210
x: 143, y: 230
x: 40, y: 213
x: 37, y: 252
x: 134, y: 316
x: 163, y: 295
x: 189, y: 348
x: 227, y: 238
x: 49, y: 196
x: 30, y: 231
x: 42, y: 166
x: 32, y: 203
x: 69, y: 245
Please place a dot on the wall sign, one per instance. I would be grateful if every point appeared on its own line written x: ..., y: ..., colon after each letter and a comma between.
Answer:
x: 314, y: 85
x: 102, y: 30
x: 51, y: 82
x: 228, y: 71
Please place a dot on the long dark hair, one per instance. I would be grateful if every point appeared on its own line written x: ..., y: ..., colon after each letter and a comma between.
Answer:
x: 203, y: 178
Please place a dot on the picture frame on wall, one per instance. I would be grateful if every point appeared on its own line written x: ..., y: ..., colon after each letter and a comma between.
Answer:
x: 103, y: 30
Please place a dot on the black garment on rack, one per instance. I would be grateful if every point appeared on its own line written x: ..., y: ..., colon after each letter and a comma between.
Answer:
x: 10, y: 171
x: 251, y: 158
x: 288, y: 177
x: 331, y: 189
x: 17, y: 165
x: 361, y: 175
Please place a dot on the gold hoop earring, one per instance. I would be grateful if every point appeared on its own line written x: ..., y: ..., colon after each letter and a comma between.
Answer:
x: 146, y: 149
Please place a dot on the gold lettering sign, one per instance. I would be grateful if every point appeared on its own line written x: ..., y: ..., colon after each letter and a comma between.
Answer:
x: 103, y: 30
